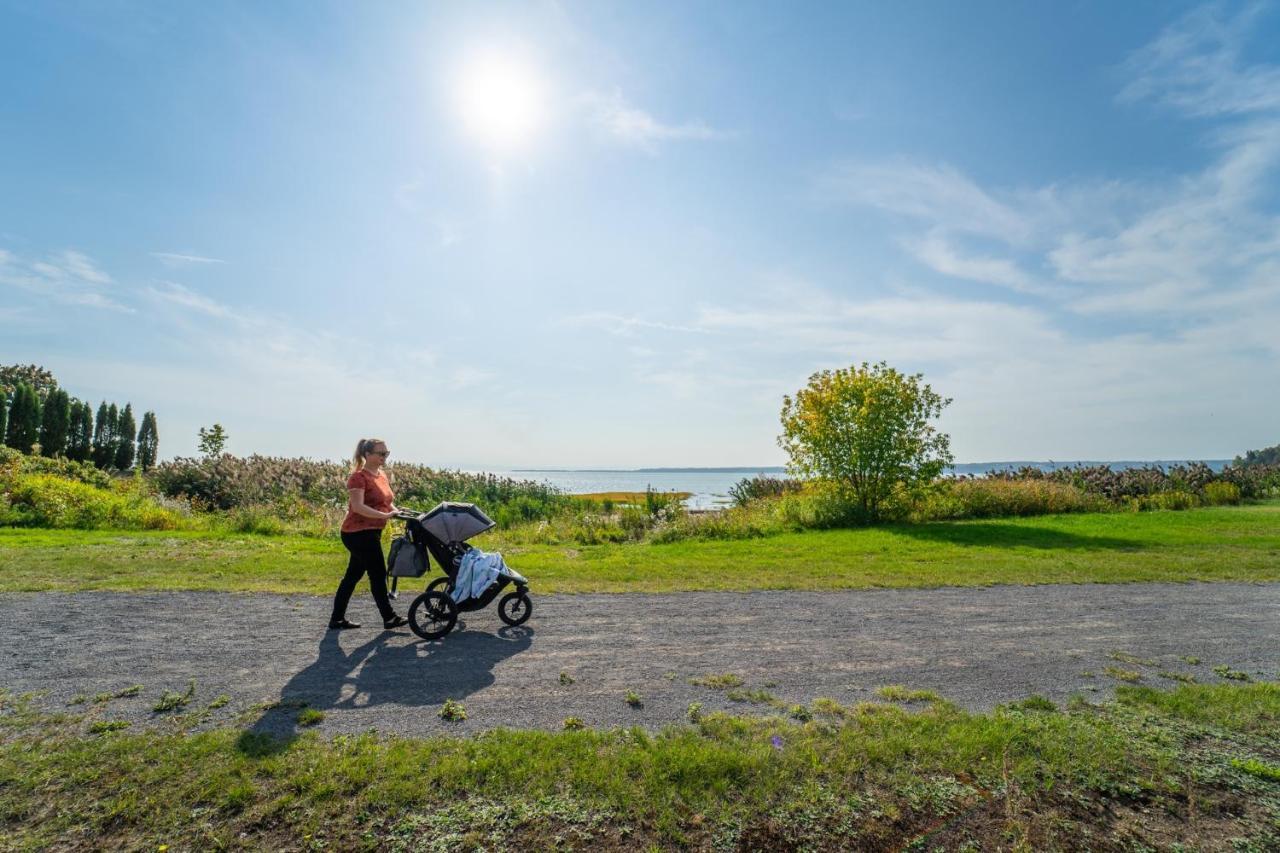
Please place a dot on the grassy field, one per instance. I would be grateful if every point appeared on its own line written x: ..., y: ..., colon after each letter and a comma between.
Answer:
x: 1213, y: 544
x: 1195, y: 767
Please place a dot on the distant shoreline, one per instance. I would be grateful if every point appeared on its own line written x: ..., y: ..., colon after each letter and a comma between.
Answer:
x: 779, y: 469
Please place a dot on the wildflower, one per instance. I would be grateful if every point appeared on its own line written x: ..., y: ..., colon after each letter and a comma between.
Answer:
x: 776, y: 740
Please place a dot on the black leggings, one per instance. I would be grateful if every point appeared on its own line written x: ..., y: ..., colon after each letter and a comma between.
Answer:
x: 366, y: 557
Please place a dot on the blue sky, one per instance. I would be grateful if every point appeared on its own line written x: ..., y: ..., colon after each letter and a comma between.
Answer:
x: 313, y: 222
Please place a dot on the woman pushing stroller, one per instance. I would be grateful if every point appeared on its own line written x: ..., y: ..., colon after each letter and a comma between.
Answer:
x: 369, y: 505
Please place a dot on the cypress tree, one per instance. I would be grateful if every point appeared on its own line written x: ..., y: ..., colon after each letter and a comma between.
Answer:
x: 55, y: 423
x: 75, y: 424
x: 148, y: 442
x: 84, y: 434
x: 24, y: 419
x: 102, y: 451
x: 4, y: 414
x: 126, y: 431
x: 113, y: 434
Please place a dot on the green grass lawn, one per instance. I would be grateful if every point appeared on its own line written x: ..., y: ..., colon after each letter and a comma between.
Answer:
x: 1196, y: 768
x: 1213, y: 544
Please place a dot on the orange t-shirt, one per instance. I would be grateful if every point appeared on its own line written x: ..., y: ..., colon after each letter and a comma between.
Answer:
x: 377, y: 495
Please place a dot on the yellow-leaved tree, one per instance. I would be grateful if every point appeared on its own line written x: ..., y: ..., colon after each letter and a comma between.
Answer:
x: 864, y: 430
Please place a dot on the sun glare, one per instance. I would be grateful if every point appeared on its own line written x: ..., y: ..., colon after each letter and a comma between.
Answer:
x: 502, y: 101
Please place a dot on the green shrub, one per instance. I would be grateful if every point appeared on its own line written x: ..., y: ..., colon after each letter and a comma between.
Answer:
x: 1175, y: 500
x: 995, y: 498
x: 1219, y: 494
x: 45, y: 500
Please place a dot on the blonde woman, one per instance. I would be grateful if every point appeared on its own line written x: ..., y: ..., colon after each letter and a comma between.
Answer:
x: 368, y: 508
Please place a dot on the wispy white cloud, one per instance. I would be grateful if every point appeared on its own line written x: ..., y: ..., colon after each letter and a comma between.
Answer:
x: 626, y: 326
x: 176, y: 259
x: 68, y: 277
x: 1195, y: 66
x: 631, y: 125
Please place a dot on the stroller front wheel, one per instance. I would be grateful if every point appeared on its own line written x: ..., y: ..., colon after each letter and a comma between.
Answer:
x: 515, y: 608
x: 432, y: 615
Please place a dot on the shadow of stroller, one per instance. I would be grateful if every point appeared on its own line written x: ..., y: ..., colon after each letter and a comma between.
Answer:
x: 384, y: 671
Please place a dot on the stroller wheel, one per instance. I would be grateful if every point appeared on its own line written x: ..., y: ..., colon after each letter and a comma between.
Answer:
x: 432, y: 615
x: 515, y: 608
x: 440, y: 583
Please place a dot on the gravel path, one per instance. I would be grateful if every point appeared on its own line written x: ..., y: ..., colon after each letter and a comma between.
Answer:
x: 977, y: 647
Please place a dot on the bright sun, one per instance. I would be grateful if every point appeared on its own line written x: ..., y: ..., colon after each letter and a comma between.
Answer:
x: 501, y: 100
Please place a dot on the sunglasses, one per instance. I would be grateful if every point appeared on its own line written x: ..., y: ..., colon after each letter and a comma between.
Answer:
x: 383, y: 453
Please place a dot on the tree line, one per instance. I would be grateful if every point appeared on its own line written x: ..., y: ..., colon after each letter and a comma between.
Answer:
x: 37, y: 416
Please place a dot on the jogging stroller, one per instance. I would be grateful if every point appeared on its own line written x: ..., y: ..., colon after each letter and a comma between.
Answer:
x: 442, y: 533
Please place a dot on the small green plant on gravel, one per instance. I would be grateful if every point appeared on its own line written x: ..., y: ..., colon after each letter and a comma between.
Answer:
x: 453, y: 711
x: 1191, y: 659
x: 1086, y: 673
x: 1185, y: 678
x: 634, y: 700
x: 1119, y: 674
x: 828, y: 706
x: 1224, y: 671
x: 1125, y: 657
x: 104, y: 726
x: 310, y: 717
x: 1035, y: 702
x: 132, y: 690
x: 801, y: 713
x: 723, y: 681
x: 219, y: 702
x: 78, y: 699
x: 694, y: 712
x: 173, y: 701
x: 1261, y: 769
x: 573, y: 724
x: 898, y: 693
x: 566, y: 678
x: 101, y: 698
x: 755, y: 697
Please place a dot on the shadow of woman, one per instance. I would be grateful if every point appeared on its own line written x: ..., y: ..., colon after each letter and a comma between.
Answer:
x: 383, y: 670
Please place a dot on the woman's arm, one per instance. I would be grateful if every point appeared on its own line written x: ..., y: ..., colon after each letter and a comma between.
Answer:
x: 356, y: 501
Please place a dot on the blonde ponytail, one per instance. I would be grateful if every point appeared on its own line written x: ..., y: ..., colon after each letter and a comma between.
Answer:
x: 363, y: 446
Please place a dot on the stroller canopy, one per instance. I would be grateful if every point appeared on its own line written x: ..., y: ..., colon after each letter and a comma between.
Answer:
x: 456, y: 522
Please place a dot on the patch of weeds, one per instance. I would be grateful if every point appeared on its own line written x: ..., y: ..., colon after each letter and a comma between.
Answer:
x: 828, y: 706
x: 566, y: 679
x: 453, y: 711
x: 694, y: 712
x: 572, y: 724
x: 801, y: 713
x: 284, y: 704
x: 101, y: 698
x: 104, y: 726
x: 898, y: 693
x: 219, y: 702
x: 309, y: 717
x: 1086, y: 673
x: 1123, y: 674
x: 1191, y: 659
x: 634, y: 700
x: 755, y: 697
x: 1125, y: 657
x: 1224, y: 671
x: 1035, y: 702
x: 1185, y: 678
x: 78, y: 699
x: 723, y: 681
x: 669, y: 675
x: 132, y: 690
x: 1261, y: 769
x: 173, y: 701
